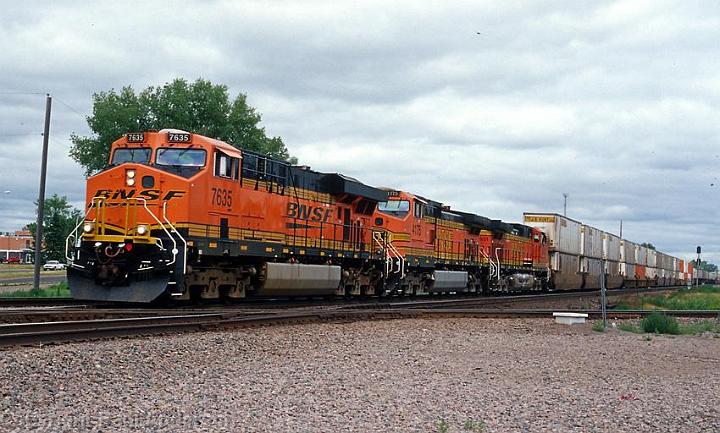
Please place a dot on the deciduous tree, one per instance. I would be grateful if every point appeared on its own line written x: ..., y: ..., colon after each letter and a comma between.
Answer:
x: 59, y: 219
x: 199, y: 107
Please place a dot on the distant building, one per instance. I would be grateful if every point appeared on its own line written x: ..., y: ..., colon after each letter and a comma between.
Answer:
x: 16, y: 246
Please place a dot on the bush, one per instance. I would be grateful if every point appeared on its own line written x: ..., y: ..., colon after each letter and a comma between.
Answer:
x: 660, y: 324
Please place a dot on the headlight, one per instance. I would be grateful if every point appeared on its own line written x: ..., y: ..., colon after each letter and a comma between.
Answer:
x: 142, y: 230
x: 130, y: 177
x: 88, y: 227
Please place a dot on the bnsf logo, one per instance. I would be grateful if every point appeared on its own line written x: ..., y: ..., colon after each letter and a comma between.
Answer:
x: 309, y: 213
x: 147, y: 194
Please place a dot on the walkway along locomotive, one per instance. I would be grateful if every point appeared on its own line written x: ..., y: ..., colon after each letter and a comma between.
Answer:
x: 178, y: 215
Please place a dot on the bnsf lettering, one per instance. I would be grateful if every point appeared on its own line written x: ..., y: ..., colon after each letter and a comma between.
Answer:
x: 309, y: 213
x: 147, y: 194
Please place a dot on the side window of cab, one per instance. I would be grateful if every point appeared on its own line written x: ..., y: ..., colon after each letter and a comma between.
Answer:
x: 226, y: 166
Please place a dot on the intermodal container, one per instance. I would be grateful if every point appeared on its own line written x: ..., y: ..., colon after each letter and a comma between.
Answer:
x: 681, y: 266
x: 640, y: 272
x: 627, y: 251
x: 612, y: 268
x: 627, y: 270
x: 563, y: 233
x: 659, y: 260
x: 641, y: 255
x: 591, y: 242
x: 611, y: 247
x: 651, y: 258
x: 650, y: 273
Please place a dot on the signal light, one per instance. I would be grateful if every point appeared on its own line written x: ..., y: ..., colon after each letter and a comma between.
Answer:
x: 128, y: 247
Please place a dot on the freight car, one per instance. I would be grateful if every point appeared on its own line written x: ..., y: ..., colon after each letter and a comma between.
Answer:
x: 177, y: 215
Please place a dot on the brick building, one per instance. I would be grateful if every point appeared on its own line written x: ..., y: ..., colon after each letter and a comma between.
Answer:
x: 18, y: 245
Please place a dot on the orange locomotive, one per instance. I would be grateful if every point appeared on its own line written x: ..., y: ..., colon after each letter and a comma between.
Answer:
x: 179, y: 215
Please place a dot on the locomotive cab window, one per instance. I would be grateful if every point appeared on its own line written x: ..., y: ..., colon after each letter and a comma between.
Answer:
x: 185, y: 162
x: 131, y: 154
x: 419, y: 209
x: 396, y: 208
x: 176, y: 157
x: 226, y: 166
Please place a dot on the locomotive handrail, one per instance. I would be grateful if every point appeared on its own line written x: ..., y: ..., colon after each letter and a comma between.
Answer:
x: 388, y: 248
x: 177, y: 233
x: 174, y: 250
x: 492, y: 265
x: 498, y: 262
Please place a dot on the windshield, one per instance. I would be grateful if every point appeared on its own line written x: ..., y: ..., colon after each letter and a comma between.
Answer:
x: 398, y: 208
x: 131, y: 154
x: 181, y: 157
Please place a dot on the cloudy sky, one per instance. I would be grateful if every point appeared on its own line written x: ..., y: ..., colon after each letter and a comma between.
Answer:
x: 494, y: 107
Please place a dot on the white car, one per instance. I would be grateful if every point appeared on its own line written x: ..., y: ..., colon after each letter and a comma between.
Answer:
x: 53, y: 265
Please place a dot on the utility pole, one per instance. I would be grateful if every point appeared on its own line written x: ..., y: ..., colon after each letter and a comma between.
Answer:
x: 41, y: 195
x: 565, y: 195
x: 697, y: 267
x: 603, y: 298
x: 620, y: 229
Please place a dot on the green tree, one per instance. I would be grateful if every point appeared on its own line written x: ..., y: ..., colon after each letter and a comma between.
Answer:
x: 648, y: 245
x: 705, y: 266
x: 200, y: 107
x: 59, y: 219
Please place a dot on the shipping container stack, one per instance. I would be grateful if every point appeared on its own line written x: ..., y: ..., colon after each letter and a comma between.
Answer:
x: 579, y: 254
x: 591, y: 252
x: 628, y: 260
x: 563, y: 236
x: 611, y: 255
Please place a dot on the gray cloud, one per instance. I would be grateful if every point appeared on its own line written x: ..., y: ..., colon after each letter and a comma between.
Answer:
x: 614, y: 102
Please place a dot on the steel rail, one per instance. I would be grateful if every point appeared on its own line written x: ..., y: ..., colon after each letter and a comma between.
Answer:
x: 81, y: 330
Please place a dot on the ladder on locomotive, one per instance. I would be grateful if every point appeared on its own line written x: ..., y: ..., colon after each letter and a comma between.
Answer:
x: 394, y: 261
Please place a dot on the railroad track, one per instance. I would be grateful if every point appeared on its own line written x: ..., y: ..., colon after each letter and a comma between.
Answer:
x: 81, y: 330
x: 9, y: 303
x: 69, y: 311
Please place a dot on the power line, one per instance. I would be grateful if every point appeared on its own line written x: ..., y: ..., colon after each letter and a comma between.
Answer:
x: 71, y: 108
x: 20, y: 134
x: 20, y: 93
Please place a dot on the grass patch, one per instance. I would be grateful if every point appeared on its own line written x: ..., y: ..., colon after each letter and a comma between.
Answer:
x: 629, y: 327
x: 442, y: 426
x: 655, y: 324
x: 15, y: 266
x: 474, y: 426
x: 59, y: 290
x: 701, y: 327
x: 697, y: 298
x: 26, y: 273
x: 660, y: 324
x: 598, y: 326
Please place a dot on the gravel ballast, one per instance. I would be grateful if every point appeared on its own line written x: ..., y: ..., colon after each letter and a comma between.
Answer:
x: 419, y: 375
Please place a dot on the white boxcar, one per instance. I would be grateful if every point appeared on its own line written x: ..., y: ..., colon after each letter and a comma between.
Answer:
x: 591, y: 242
x: 563, y: 233
x: 627, y: 251
x: 611, y: 247
x: 641, y: 254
